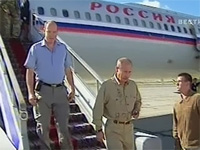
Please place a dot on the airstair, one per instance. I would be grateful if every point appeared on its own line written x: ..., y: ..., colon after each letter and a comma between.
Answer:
x: 22, y: 132
x: 13, y: 55
x: 83, y: 133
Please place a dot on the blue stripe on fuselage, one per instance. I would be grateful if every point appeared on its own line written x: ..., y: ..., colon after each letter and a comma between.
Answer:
x: 125, y: 31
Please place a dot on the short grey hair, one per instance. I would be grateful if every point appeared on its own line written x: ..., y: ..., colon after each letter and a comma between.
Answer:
x: 123, y: 60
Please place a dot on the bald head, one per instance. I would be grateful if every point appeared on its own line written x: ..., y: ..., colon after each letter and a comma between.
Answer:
x: 50, y: 31
x: 49, y: 23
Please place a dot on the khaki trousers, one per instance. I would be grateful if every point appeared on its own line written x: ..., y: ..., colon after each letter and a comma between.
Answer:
x: 54, y: 98
x: 119, y: 136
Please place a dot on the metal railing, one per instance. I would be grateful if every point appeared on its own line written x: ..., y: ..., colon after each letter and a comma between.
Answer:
x: 21, y: 112
x: 87, y: 68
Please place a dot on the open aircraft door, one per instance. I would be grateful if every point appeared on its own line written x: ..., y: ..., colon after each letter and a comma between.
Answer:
x: 196, y: 32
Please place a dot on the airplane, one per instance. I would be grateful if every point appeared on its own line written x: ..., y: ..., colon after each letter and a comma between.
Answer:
x: 161, y: 43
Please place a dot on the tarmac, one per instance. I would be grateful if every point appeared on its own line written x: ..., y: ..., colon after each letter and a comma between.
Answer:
x: 157, y: 100
x: 156, y: 113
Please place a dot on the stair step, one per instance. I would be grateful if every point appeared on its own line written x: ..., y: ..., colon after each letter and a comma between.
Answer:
x: 86, y: 142
x: 93, y: 148
x: 83, y: 134
x: 77, y: 118
x: 81, y: 129
x: 34, y: 145
x: 74, y: 108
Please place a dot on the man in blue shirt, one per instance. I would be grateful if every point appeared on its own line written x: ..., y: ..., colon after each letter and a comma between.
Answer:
x: 50, y: 61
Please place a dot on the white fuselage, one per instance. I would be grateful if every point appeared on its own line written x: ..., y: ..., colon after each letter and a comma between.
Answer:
x: 157, y: 53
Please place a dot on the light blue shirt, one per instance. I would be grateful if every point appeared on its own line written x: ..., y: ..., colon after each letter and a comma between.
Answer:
x: 49, y: 66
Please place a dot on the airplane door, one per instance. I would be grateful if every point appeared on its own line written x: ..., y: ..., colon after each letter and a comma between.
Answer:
x: 196, y: 32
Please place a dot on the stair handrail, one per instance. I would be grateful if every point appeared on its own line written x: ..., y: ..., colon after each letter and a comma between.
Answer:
x: 85, y: 65
x: 22, y: 111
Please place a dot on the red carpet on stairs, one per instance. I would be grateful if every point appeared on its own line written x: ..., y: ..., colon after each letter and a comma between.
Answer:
x: 20, y: 54
x: 53, y: 134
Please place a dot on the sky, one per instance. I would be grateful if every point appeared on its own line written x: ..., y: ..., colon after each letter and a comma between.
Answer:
x: 191, y: 7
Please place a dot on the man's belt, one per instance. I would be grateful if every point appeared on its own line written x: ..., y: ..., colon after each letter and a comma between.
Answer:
x: 121, y: 122
x: 52, y: 85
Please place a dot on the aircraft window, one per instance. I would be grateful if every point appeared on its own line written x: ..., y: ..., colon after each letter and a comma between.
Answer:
x: 87, y: 16
x: 98, y: 17
x: 172, y: 28
x: 40, y: 10
x: 159, y: 26
x: 108, y: 18
x: 191, y: 32
x: 151, y: 24
x: 77, y: 14
x: 126, y: 21
x: 53, y: 12
x: 117, y: 19
x: 65, y: 13
x: 144, y: 23
x: 179, y: 29
x: 185, y: 30
x: 166, y: 27
x: 135, y: 22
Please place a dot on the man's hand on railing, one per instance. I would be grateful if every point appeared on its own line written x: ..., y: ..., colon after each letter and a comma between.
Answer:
x: 71, y: 96
x: 33, y: 99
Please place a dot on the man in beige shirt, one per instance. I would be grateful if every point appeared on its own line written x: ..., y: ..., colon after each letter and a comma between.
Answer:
x: 119, y: 101
x: 186, y: 116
